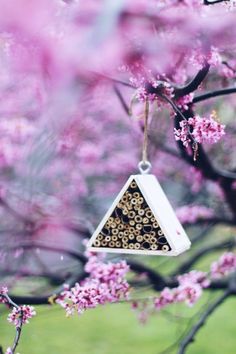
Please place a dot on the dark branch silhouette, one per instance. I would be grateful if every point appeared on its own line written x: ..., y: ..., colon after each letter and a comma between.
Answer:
x: 194, y: 330
x: 194, y: 84
x: 212, y: 2
x: 213, y: 94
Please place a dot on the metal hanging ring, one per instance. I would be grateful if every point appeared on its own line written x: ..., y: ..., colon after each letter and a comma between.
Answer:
x: 144, y: 167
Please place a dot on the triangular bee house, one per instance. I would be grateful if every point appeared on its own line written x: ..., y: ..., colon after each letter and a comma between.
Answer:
x: 140, y: 221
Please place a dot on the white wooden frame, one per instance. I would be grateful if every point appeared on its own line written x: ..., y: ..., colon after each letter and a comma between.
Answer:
x: 163, y: 212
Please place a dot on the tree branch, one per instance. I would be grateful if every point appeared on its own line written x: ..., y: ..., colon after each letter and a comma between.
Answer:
x: 208, y: 170
x: 193, y: 84
x: 213, y: 94
x: 207, y: 2
x: 40, y: 300
x: 214, y: 220
x: 122, y: 100
x: 191, y: 335
x: 202, y: 162
x: 155, y: 278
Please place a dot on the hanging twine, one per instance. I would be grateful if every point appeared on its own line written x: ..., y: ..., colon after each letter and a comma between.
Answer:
x: 145, y: 133
x: 144, y: 165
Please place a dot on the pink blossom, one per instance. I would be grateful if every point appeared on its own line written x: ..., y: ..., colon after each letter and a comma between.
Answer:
x: 203, y: 130
x: 193, y: 213
x: 200, y: 57
x: 148, y: 85
x: 194, y: 277
x: 206, y: 130
x: 183, y: 133
x: 191, y: 284
x: 225, y: 265
x: 143, y: 316
x: 134, y: 305
x: 188, y: 293
x: 106, y: 272
x: 9, y: 351
x: 26, y: 311
x: 167, y: 297
x: 228, y: 70
x: 106, y: 283
x: 3, y: 291
x: 80, y: 298
x: 184, y: 101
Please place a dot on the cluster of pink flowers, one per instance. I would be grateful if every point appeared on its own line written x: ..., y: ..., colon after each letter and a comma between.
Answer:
x: 191, y: 284
x: 183, y: 133
x: 25, y: 311
x: 202, y: 129
x: 189, y: 290
x: 106, y: 283
x: 194, y: 277
x: 183, y: 102
x: 206, y: 130
x: 224, y: 265
x: 3, y: 291
x: 200, y: 57
x: 228, y: 71
x: 147, y: 88
x: 20, y: 313
x: 192, y: 213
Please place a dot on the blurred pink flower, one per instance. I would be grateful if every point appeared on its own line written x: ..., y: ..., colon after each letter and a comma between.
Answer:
x: 193, y: 213
x: 224, y: 266
x: 196, y: 277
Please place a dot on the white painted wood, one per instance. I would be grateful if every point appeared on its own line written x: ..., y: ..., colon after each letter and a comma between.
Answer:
x: 163, y: 212
x: 107, y: 215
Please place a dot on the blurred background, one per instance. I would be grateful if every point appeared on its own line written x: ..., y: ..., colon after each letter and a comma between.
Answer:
x: 74, y: 79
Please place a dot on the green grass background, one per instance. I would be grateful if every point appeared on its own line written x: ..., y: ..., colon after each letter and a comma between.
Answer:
x: 114, y: 329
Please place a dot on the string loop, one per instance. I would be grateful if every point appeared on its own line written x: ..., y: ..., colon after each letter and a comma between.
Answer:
x: 144, y: 167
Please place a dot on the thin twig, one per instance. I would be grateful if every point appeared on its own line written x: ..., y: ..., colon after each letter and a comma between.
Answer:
x: 207, y: 2
x: 189, y: 323
x: 192, y: 333
x: 108, y: 78
x: 20, y: 321
x: 121, y: 99
x: 213, y: 94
